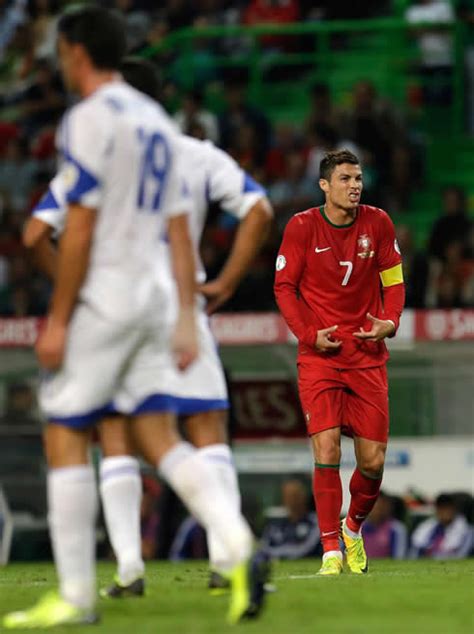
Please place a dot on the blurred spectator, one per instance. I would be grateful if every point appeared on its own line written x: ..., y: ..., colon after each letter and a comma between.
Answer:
x: 21, y: 408
x: 445, y: 536
x: 273, y: 12
x: 45, y: 19
x: 436, y: 46
x: 384, y: 535
x: 192, y: 112
x: 452, y: 279
x: 137, y: 23
x: 415, y: 269
x: 350, y: 10
x: 322, y: 110
x: 295, y: 192
x: 238, y: 113
x: 196, y: 63
x: 12, y: 14
x: 190, y: 541
x: 44, y: 101
x: 17, y: 174
x: 296, y: 535
x: 378, y: 129
x: 285, y: 140
x: 452, y: 226
x: 247, y: 151
x: 180, y: 13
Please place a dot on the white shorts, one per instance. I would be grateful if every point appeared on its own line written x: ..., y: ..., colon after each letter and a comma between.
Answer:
x: 157, y: 385
x: 101, y: 358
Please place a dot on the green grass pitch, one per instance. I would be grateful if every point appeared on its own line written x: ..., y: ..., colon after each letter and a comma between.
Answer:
x: 394, y: 598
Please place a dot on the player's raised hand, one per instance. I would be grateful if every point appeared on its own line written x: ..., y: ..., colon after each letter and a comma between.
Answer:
x: 324, y: 340
x: 216, y: 292
x: 51, y: 345
x: 184, y: 341
x: 381, y: 328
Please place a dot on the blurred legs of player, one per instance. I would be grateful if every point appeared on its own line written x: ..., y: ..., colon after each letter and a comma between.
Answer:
x: 208, y: 433
x: 194, y: 480
x: 121, y: 488
x: 72, y: 506
x: 121, y: 495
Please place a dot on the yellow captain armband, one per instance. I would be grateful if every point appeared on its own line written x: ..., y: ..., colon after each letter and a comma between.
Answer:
x: 392, y: 276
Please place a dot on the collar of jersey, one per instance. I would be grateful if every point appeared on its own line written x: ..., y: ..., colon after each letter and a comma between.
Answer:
x: 323, y: 214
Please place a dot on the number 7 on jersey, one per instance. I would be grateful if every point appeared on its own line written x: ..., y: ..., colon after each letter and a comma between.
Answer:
x: 347, y: 274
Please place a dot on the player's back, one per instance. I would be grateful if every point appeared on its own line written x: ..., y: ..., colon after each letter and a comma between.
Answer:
x: 120, y: 147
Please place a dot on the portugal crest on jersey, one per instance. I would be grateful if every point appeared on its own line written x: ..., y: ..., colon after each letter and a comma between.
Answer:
x: 364, y: 243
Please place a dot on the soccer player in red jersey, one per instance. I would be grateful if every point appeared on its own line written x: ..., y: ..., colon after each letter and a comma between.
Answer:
x: 339, y: 286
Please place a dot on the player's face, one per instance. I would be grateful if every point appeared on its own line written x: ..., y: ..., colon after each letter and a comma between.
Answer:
x: 344, y: 188
x: 68, y: 62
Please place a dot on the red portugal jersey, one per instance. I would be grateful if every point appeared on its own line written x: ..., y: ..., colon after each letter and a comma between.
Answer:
x: 329, y: 275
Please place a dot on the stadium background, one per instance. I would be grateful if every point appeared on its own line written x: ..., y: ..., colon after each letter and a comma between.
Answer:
x: 275, y: 84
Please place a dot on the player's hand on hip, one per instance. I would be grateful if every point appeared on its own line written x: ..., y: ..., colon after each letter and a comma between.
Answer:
x: 324, y: 340
x: 184, y: 343
x: 381, y: 328
x: 216, y: 292
x: 51, y: 345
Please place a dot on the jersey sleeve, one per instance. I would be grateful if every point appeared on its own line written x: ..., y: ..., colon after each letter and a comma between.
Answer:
x: 177, y: 197
x: 85, y: 140
x: 51, y: 209
x: 290, y: 265
x: 389, y: 262
x: 235, y: 190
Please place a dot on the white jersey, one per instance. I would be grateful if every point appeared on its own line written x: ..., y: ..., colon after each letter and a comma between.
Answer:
x: 119, y: 156
x: 210, y: 174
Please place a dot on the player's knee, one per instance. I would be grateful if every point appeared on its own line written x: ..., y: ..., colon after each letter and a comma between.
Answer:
x: 372, y: 466
x: 329, y: 454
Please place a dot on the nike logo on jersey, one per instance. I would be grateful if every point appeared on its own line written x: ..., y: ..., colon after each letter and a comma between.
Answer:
x: 330, y: 533
x: 317, y: 250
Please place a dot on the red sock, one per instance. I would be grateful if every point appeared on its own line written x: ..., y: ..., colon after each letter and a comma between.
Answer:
x: 364, y: 493
x: 327, y: 491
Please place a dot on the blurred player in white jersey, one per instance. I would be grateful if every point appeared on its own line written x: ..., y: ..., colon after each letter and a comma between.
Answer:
x: 199, y: 394
x: 123, y: 189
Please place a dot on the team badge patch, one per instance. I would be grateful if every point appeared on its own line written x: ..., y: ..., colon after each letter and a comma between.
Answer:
x: 280, y: 262
x: 365, y: 243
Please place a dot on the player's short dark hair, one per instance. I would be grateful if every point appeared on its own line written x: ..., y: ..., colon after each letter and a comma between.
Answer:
x: 332, y: 159
x: 142, y: 74
x: 100, y: 31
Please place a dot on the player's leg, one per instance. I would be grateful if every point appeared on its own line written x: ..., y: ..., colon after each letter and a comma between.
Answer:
x: 367, y: 410
x: 121, y: 495
x: 72, y: 507
x: 207, y: 431
x: 74, y: 399
x: 327, y: 490
x: 194, y: 481
x: 322, y: 399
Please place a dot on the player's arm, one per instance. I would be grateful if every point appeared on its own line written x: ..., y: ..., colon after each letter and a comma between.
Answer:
x: 47, y: 219
x: 84, y: 144
x: 72, y: 265
x: 290, y: 264
x: 389, y: 264
x: 181, y: 247
x: 250, y: 237
x: 37, y: 240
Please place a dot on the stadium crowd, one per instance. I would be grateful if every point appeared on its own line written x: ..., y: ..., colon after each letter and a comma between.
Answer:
x: 399, y: 527
x: 283, y: 156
